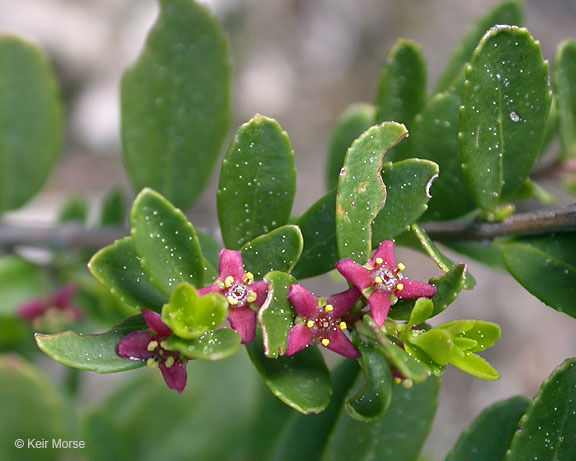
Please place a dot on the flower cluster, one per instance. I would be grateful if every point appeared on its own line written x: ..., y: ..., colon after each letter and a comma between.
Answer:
x: 53, y: 313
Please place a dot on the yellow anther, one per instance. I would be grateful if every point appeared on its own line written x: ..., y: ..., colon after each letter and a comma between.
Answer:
x: 231, y: 300
x: 164, y: 345
x: 310, y: 323
x: 407, y: 383
x: 228, y: 281
x: 343, y: 325
x: 379, y: 261
x: 378, y: 279
x: 400, y: 286
x: 249, y: 278
x: 252, y: 297
x: 397, y: 380
x: 221, y: 285
x: 401, y: 267
x: 152, y: 363
x: 325, y: 342
x: 329, y: 308
x: 152, y: 345
x: 169, y: 362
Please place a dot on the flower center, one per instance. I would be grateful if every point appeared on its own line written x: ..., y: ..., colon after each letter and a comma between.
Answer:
x: 161, y: 355
x: 385, y: 279
x: 238, y: 293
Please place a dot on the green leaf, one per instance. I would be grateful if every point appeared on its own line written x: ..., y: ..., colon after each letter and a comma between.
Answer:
x: 503, y: 117
x: 113, y: 212
x: 506, y: 12
x: 420, y: 356
x: 435, y: 137
x: 212, y: 345
x: 175, y: 103
x: 257, y: 182
x: 20, y: 281
x: 437, y: 343
x: 487, y: 253
x: 31, y: 409
x: 442, y: 261
x: 118, y: 268
x: 486, y: 334
x: 74, y: 210
x: 490, y: 434
x: 92, y: 352
x: 31, y: 122
x: 190, y: 315
x: 548, y: 427
x: 448, y: 286
x: 166, y: 242
x: 402, y: 90
x: 372, y: 393
x: 409, y: 418
x: 318, y: 226
x: 406, y: 364
x: 474, y: 365
x: 301, y: 381
x: 276, y: 316
x: 211, y: 251
x: 423, y: 310
x: 407, y: 194
x: 544, y: 265
x: 277, y: 250
x: 354, y: 121
x: 564, y: 78
x: 361, y: 192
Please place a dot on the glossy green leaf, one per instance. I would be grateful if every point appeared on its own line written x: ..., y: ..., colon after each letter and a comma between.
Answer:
x: 31, y: 124
x: 545, y: 266
x: 548, y: 427
x: 487, y: 253
x: 277, y: 250
x: 505, y: 107
x: 361, y: 192
x: 448, y: 286
x: 31, y: 409
x: 465, y: 344
x: 175, y: 103
x: 407, y: 194
x: 409, y: 418
x: 442, y: 261
x: 113, y: 212
x: 420, y: 356
x: 435, y: 137
x: 318, y: 226
x: 354, y: 121
x: 212, y: 345
x: 437, y: 343
x: 372, y: 393
x: 190, y: 315
x: 74, y: 210
x: 257, y: 182
x: 118, y: 268
x: 506, y: 12
x: 312, y: 431
x: 474, y: 365
x: 92, y: 352
x: 410, y: 367
x: 564, y: 78
x: 276, y: 316
x: 166, y: 242
x: 486, y: 334
x: 211, y: 251
x: 423, y: 310
x: 301, y: 381
x: 402, y: 91
x: 20, y: 281
x: 491, y: 432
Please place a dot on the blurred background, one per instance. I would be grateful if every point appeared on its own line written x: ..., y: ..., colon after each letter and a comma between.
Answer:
x: 301, y: 62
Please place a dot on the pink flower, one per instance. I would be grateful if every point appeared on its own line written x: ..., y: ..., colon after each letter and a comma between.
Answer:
x: 381, y: 281
x: 58, y: 309
x: 150, y: 345
x: 323, y: 322
x: 241, y: 291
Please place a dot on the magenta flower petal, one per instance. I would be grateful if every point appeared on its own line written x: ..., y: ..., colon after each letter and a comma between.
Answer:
x: 154, y: 321
x: 32, y: 309
x: 340, y: 344
x: 261, y: 290
x: 299, y: 337
x: 175, y: 376
x: 63, y: 296
x: 305, y: 303
x: 343, y: 302
x: 379, y: 306
x: 135, y: 346
x: 357, y: 275
x: 413, y: 289
x: 243, y: 320
x: 210, y: 289
x: 231, y: 264
x: 386, y: 252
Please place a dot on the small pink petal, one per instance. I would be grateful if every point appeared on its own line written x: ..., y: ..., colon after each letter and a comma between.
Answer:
x: 32, y: 309
x: 154, y: 321
x: 379, y: 307
x: 413, y: 289
x: 243, y: 320
x: 299, y: 337
x: 305, y: 303
x: 340, y: 344
x: 231, y: 264
x: 63, y: 296
x: 175, y: 376
x: 135, y: 346
x: 209, y: 289
x: 357, y: 275
x: 261, y: 290
x: 386, y: 252
x: 343, y: 302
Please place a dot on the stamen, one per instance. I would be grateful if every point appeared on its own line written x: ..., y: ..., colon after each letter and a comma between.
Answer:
x: 164, y: 345
x: 220, y: 284
x: 325, y: 342
x: 401, y: 267
x: 310, y: 323
x: 397, y: 380
x: 231, y: 300
x: 400, y: 286
x: 252, y: 297
x: 152, y: 345
x: 379, y: 261
x: 378, y: 279
x: 229, y: 281
x: 343, y: 325
x: 169, y: 362
x: 329, y: 308
x: 249, y: 278
x: 407, y: 383
x: 152, y: 363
